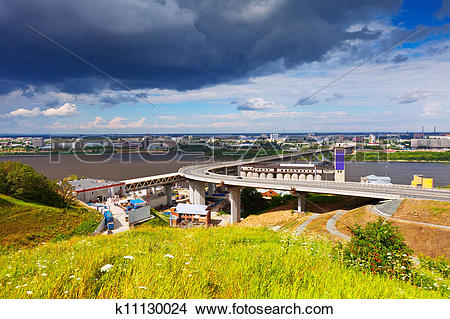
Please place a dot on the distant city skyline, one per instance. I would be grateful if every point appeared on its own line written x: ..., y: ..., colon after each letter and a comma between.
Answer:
x: 235, y: 66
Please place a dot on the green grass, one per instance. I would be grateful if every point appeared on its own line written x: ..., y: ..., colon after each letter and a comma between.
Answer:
x: 413, y: 156
x: 321, y: 199
x: 435, y: 211
x: 28, y: 224
x: 225, y: 262
x: 159, y: 219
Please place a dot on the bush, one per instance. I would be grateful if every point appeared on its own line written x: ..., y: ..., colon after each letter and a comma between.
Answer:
x: 378, y: 248
x: 23, y: 182
x: 251, y: 201
x: 277, y: 201
x: 439, y: 264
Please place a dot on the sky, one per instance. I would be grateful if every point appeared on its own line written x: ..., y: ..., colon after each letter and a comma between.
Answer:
x: 211, y: 66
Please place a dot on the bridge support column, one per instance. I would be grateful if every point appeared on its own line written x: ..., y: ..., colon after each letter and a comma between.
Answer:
x: 211, y: 188
x: 168, y: 192
x: 235, y: 200
x: 197, y: 192
x: 301, y: 202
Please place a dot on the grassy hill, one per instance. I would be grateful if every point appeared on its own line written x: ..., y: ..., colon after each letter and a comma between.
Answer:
x: 28, y: 224
x: 222, y: 262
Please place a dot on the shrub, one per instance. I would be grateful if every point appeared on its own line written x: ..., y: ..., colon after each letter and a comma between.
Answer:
x: 279, y: 200
x: 23, y: 182
x: 378, y: 248
x: 252, y: 201
x: 439, y: 264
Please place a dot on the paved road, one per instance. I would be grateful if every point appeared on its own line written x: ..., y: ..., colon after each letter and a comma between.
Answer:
x: 380, y: 213
x: 303, y: 225
x: 331, y: 225
x: 118, y: 214
x: 202, y: 173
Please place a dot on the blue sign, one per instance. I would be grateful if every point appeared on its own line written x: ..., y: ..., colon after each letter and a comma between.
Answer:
x: 340, y: 160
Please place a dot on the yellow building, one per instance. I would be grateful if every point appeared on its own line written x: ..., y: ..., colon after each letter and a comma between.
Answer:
x: 425, y: 182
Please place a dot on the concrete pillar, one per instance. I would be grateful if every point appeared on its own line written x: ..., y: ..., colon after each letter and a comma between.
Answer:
x: 301, y: 202
x: 191, y: 192
x: 154, y: 190
x: 168, y: 192
x: 197, y: 192
x: 211, y: 188
x: 235, y: 200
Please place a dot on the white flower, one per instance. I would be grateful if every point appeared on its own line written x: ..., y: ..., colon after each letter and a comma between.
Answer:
x: 388, y: 254
x: 169, y: 256
x: 7, y: 275
x: 106, y: 268
x: 66, y: 292
x: 402, y: 267
x: 17, y: 287
x: 78, y: 278
x: 142, y: 287
x: 187, y: 263
x: 44, y: 274
x: 128, y: 257
x: 29, y: 292
x: 72, y: 276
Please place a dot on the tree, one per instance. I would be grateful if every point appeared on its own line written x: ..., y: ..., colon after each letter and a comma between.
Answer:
x: 66, y: 191
x: 23, y: 182
x: 251, y: 201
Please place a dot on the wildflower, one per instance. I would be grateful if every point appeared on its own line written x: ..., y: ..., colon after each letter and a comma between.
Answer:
x: 142, y: 287
x: 128, y: 257
x: 78, y: 278
x: 29, y: 292
x: 44, y: 274
x: 106, y: 268
x: 168, y: 256
x: 66, y: 292
x: 72, y: 276
x: 17, y: 287
x: 187, y: 263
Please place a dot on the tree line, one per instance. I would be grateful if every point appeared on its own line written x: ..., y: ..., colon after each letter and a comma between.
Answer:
x: 21, y: 181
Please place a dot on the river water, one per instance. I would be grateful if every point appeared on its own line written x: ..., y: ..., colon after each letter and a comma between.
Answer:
x: 138, y: 165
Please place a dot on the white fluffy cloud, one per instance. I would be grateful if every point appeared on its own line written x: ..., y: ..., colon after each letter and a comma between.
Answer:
x: 115, y: 123
x: 259, y: 104
x: 25, y: 113
x: 66, y: 109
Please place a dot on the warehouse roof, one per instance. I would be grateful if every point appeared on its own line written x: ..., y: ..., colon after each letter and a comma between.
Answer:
x: 90, y: 184
x: 191, y: 209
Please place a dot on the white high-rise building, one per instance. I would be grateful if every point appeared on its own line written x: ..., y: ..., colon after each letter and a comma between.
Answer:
x: 274, y: 136
x: 37, y: 142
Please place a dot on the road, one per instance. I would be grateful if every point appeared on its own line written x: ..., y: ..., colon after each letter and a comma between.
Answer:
x: 203, y: 173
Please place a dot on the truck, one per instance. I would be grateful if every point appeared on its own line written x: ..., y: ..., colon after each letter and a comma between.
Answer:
x: 109, y: 220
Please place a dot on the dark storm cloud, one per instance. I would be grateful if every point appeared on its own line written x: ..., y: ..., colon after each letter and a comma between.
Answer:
x: 400, y: 58
x: 117, y: 99
x: 174, y: 44
x: 444, y: 11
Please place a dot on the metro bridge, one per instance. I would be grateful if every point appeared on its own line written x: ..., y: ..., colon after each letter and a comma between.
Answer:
x: 199, y: 176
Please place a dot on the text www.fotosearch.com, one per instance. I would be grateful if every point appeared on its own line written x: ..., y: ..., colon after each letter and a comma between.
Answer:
x: 234, y: 309
x: 246, y: 309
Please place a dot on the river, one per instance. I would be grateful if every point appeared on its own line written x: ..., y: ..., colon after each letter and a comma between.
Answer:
x: 137, y: 165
